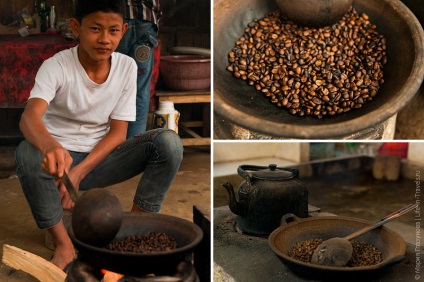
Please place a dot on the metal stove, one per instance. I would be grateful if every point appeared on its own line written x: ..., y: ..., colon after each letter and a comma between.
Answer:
x: 80, y: 271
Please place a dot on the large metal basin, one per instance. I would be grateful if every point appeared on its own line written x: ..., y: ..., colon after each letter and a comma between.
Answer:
x: 187, y: 235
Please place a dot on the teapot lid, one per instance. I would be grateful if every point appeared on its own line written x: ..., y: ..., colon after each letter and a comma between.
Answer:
x: 272, y: 173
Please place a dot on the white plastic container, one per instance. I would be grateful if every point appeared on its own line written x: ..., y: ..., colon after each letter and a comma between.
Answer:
x: 166, y: 116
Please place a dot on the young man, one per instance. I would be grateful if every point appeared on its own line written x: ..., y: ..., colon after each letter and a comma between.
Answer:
x: 139, y: 42
x: 76, y: 121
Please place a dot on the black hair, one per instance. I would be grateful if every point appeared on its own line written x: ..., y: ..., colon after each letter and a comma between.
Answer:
x: 85, y: 7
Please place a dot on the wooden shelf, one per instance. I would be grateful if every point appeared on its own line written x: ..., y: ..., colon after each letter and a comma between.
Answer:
x: 180, y: 97
x: 190, y: 97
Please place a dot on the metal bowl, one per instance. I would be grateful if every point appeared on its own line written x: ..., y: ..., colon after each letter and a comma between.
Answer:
x: 239, y: 103
x: 187, y: 235
x: 281, y: 240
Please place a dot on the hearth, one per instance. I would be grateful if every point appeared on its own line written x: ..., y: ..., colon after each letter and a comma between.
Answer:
x: 344, y: 187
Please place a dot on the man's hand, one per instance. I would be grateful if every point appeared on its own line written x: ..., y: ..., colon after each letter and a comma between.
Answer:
x: 67, y: 202
x: 56, y: 160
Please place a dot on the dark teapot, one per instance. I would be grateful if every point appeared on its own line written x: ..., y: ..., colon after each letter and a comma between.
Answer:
x: 266, y: 194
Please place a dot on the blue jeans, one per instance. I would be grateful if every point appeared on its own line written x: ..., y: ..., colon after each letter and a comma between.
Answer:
x: 139, y: 42
x: 158, y: 153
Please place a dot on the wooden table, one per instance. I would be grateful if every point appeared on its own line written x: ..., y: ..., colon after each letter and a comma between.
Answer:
x: 190, y: 97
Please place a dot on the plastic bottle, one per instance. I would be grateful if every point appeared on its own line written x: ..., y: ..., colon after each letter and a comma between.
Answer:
x: 166, y: 116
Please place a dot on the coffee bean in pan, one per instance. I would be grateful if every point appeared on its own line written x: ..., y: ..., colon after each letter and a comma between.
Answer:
x: 364, y: 254
x: 303, y: 250
x: 153, y: 242
x: 311, y: 71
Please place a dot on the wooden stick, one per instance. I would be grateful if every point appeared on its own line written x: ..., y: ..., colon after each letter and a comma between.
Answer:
x: 38, y: 267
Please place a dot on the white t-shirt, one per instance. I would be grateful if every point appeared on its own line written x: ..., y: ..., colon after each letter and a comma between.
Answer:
x: 80, y: 110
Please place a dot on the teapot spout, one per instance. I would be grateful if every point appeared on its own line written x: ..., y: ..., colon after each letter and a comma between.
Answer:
x: 239, y: 208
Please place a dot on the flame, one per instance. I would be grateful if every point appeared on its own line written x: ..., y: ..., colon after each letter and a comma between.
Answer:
x: 109, y: 276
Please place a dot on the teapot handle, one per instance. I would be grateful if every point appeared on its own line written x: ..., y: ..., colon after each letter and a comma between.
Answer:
x: 288, y: 218
x: 246, y: 175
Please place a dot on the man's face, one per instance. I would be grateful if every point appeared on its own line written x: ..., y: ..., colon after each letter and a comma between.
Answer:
x: 99, y: 35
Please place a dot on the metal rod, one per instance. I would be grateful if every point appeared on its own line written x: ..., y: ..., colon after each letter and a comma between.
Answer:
x: 382, y: 221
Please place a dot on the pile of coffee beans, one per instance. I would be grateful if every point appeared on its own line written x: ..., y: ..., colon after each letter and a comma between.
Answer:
x: 364, y: 254
x: 303, y: 250
x: 149, y: 243
x: 311, y: 71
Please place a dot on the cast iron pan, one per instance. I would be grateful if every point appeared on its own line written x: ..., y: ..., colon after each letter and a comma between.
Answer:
x: 281, y: 240
x: 241, y: 104
x: 187, y: 235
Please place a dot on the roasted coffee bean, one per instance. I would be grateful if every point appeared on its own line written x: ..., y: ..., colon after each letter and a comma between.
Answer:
x: 364, y: 254
x: 149, y: 243
x: 339, y: 65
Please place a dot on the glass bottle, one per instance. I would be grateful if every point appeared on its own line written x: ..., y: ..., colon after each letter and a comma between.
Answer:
x: 36, y: 7
x: 43, y: 16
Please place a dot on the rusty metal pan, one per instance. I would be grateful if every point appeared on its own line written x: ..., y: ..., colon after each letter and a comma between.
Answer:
x: 294, y: 229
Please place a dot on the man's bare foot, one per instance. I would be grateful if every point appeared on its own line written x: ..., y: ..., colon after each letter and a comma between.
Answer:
x: 64, y: 251
x: 63, y: 255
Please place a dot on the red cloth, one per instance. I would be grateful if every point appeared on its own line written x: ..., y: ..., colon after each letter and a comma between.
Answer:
x: 394, y: 148
x: 155, y: 76
x: 20, y: 59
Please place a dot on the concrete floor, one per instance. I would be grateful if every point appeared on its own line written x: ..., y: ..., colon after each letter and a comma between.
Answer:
x: 17, y: 227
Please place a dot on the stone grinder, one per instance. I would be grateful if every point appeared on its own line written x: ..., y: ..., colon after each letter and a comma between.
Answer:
x: 97, y: 217
x: 238, y: 104
x: 314, y: 13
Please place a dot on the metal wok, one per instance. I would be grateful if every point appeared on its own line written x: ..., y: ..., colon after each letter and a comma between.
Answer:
x: 241, y: 104
x: 281, y: 240
x: 186, y: 234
